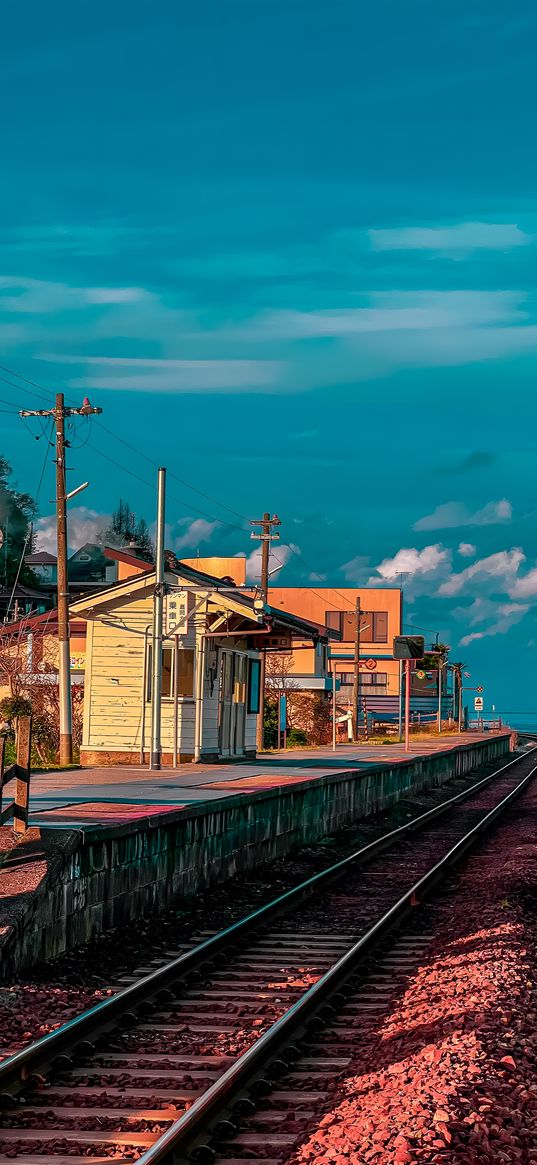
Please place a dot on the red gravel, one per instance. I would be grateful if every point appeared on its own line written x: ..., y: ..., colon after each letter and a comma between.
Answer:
x: 451, y: 1074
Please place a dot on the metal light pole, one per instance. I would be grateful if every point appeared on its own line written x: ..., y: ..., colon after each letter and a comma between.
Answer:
x: 400, y: 700
x: 440, y: 672
x: 158, y: 613
x: 407, y: 705
x: 356, y: 673
x: 334, y: 710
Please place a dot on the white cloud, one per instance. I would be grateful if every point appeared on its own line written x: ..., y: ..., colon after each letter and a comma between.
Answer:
x: 115, y: 294
x: 36, y: 296
x: 452, y: 514
x: 390, y: 311
x: 458, y: 239
x: 278, y: 559
x: 466, y: 549
x: 353, y: 571
x: 499, y: 569
x: 199, y: 530
x: 181, y: 375
x: 426, y: 563
x: 83, y: 525
x: 508, y: 614
x: 525, y: 587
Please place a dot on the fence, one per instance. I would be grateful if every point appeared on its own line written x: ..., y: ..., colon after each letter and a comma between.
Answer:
x: 20, y: 773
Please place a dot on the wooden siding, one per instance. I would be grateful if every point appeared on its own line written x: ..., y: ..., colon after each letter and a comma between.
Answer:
x: 115, y: 704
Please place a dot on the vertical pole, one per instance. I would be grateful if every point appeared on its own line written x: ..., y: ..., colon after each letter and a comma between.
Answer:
x: 64, y: 654
x: 22, y: 794
x: 200, y: 676
x: 175, y: 698
x: 356, y: 676
x: 407, y: 705
x: 144, y: 697
x: 334, y: 710
x: 158, y: 613
x: 265, y: 552
x: 400, y: 701
x: 440, y: 671
x: 279, y: 722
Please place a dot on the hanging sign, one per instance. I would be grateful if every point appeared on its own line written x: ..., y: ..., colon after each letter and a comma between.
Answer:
x: 176, y: 613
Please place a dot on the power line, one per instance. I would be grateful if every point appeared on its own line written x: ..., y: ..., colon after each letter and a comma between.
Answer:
x: 144, y: 456
x: 150, y: 485
x: 181, y: 480
x: 301, y: 558
x: 29, y: 534
x: 26, y: 381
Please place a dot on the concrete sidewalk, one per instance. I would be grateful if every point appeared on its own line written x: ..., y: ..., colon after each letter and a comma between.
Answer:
x: 115, y: 795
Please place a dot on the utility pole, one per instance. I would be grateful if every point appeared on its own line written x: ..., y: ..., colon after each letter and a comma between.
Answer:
x: 158, y: 613
x: 267, y: 535
x: 440, y: 678
x: 59, y: 413
x: 356, y: 676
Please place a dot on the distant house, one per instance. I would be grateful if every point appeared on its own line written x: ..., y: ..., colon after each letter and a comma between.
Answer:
x: 19, y: 601
x: 29, y: 651
x: 44, y: 565
x: 214, y: 635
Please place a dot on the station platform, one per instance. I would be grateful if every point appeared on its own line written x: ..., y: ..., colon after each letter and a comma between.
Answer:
x: 115, y: 795
x: 107, y: 845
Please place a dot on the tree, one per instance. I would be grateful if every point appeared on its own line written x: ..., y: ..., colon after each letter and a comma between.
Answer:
x: 126, y: 529
x: 278, y: 674
x: 17, y: 511
x: 435, y: 659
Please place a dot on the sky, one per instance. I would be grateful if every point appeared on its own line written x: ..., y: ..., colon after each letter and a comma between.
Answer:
x: 289, y: 247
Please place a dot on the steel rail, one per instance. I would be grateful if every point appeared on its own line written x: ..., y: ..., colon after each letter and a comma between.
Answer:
x: 16, y: 1070
x: 181, y: 1142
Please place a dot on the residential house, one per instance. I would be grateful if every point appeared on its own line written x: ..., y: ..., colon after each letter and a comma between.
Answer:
x: 29, y: 651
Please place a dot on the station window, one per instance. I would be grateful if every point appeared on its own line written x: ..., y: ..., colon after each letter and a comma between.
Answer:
x: 185, y: 672
x: 373, y: 625
x: 368, y: 679
x: 254, y: 683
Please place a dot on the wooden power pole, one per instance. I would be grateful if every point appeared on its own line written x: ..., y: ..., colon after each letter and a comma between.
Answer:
x: 267, y: 534
x: 59, y: 413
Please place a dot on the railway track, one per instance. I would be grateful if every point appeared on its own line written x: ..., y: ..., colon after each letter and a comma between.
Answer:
x: 166, y: 1070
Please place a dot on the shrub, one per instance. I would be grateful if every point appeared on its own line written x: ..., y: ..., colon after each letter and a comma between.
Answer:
x: 296, y: 736
x: 13, y: 706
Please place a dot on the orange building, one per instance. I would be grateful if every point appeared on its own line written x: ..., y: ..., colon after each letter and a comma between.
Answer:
x: 381, y: 620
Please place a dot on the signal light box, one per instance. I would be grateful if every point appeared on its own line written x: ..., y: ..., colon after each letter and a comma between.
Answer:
x: 408, y: 647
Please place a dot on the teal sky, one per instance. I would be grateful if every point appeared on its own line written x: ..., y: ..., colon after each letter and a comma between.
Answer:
x: 290, y: 248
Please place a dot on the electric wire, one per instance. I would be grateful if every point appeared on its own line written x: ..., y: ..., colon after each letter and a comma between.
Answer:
x: 39, y: 396
x: 144, y: 456
x: 152, y: 486
x: 175, y: 477
x: 29, y: 534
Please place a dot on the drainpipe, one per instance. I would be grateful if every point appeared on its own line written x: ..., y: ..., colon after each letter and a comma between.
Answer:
x: 200, y: 670
x: 144, y: 695
x: 158, y: 612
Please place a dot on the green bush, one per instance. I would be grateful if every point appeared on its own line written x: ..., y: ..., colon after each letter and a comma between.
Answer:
x: 296, y: 736
x: 270, y: 725
x: 13, y: 706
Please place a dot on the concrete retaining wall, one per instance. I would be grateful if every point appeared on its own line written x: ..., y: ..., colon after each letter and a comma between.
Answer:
x: 110, y: 876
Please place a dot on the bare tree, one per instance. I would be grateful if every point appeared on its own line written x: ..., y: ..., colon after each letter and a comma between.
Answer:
x: 278, y: 674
